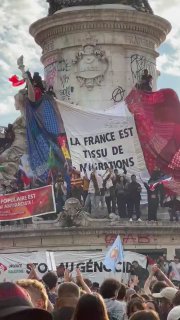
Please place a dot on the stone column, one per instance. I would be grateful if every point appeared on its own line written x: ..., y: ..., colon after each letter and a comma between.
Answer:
x: 94, y: 55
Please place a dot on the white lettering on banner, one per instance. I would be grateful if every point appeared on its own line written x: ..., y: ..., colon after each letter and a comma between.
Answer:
x: 100, y: 141
x: 90, y: 264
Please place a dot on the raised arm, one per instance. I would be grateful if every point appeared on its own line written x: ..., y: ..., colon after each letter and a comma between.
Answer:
x: 30, y: 88
x: 80, y: 280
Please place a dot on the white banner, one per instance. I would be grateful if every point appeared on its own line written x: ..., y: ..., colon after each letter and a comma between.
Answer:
x: 91, y: 264
x: 102, y: 141
x: 17, y: 265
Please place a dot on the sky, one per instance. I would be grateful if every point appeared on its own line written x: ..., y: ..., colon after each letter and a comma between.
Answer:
x: 16, y: 17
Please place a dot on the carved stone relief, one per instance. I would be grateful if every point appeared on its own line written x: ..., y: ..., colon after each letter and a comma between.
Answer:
x: 91, y: 65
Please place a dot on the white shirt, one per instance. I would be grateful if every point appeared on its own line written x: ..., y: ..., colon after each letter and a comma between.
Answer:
x: 91, y: 184
x: 63, y: 187
x: 109, y: 182
x: 175, y: 271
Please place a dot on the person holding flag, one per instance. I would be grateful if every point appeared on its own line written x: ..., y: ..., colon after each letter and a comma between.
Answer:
x: 110, y: 287
x: 153, y: 201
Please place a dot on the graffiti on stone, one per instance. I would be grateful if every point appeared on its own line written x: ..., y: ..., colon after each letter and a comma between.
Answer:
x: 64, y: 65
x: 66, y: 92
x: 64, y: 79
x: 50, y: 74
x: 118, y: 94
x: 129, y: 238
x: 138, y: 64
x: 64, y: 71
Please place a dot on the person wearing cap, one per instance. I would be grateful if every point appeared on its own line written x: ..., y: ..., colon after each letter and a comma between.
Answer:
x: 174, y: 314
x: 15, y: 304
x: 165, y: 297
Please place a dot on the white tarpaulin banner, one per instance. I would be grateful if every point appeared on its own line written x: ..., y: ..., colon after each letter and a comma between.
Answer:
x: 102, y: 140
x: 17, y: 265
x: 91, y: 264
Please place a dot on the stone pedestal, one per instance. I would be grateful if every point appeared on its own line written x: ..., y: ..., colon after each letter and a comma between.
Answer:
x: 94, y: 55
x: 143, y: 237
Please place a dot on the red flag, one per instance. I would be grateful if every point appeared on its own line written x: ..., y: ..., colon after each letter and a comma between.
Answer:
x: 157, y: 117
x: 15, y: 81
x: 26, y: 180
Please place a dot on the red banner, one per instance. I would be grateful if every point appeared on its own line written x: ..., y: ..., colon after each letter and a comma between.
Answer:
x: 26, y: 204
x: 157, y: 117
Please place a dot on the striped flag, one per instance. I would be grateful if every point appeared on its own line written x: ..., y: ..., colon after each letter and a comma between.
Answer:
x: 163, y: 180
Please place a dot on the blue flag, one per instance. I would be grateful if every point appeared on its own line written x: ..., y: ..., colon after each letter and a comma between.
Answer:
x: 114, y: 255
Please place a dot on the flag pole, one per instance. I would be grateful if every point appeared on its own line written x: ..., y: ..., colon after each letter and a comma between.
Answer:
x: 125, y: 272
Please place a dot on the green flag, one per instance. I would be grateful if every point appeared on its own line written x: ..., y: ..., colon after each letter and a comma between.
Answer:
x: 51, y: 159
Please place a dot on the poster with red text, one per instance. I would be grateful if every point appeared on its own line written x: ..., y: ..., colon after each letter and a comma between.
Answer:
x: 26, y: 204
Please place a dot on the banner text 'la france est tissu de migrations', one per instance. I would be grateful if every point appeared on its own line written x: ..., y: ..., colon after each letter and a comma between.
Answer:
x: 100, y: 141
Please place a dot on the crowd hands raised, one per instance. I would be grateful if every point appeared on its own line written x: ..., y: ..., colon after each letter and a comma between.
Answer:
x: 147, y: 296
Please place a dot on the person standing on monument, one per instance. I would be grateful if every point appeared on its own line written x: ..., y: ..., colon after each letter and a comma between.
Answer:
x: 153, y: 201
x: 85, y: 186
x: 134, y: 198
x: 94, y: 193
x: 146, y: 81
x: 76, y: 184
x: 120, y: 189
x: 110, y: 196
x: 60, y: 192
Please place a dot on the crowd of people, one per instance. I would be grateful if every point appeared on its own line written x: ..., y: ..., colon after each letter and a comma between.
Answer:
x: 151, y: 297
x: 113, y: 192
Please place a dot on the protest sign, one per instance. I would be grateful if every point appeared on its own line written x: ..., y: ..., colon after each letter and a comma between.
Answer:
x: 17, y: 265
x: 26, y: 204
x: 102, y: 140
